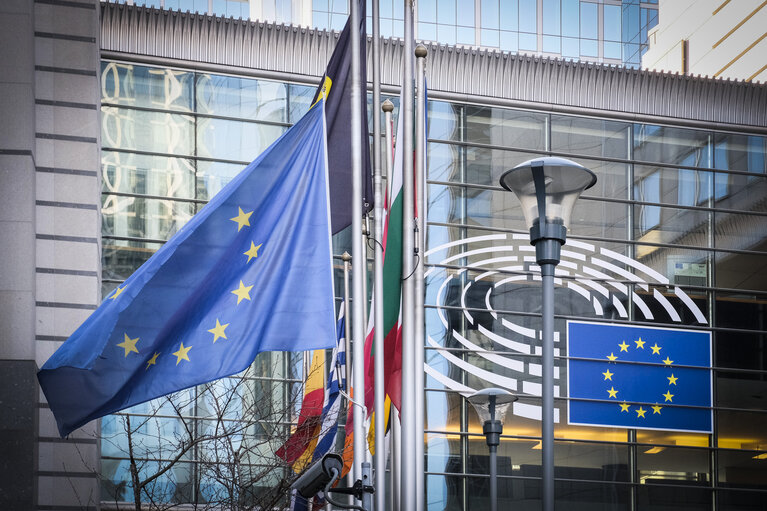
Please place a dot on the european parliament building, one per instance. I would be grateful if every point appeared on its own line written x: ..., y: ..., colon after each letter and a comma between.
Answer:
x: 119, y: 122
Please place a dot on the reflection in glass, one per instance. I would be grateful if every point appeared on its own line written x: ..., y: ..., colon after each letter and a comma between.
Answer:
x: 593, y: 137
x: 139, y: 130
x: 151, y: 175
x: 141, y: 86
x: 137, y: 217
x: 246, y: 98
x: 664, y: 144
x: 120, y: 258
x: 504, y: 127
x: 234, y: 140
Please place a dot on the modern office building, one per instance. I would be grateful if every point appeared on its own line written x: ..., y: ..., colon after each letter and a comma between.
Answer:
x: 608, y: 31
x: 121, y: 121
x: 709, y: 38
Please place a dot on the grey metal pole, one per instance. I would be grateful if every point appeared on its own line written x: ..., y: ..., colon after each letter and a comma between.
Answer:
x: 367, y: 498
x: 387, y: 107
x: 493, y: 478
x: 408, y: 497
x: 378, y: 335
x: 419, y: 287
x: 547, y: 429
x: 358, y: 251
x: 347, y: 259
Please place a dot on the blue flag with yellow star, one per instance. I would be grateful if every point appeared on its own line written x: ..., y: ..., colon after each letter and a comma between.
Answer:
x: 639, y: 377
x: 251, y: 272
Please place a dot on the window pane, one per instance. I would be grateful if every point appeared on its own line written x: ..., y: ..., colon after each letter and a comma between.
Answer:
x: 741, y: 271
x: 551, y: 17
x: 151, y: 175
x: 505, y: 127
x: 740, y: 350
x: 740, y: 310
x: 234, y: 140
x: 592, y: 137
x: 740, y: 152
x: 741, y: 430
x: 612, y: 23
x: 213, y: 176
x: 143, y: 218
x: 444, y: 121
x: 671, y: 145
x: 140, y: 130
x: 121, y: 258
x: 570, y: 18
x: 131, y: 85
x: 241, y: 97
x: 589, y: 28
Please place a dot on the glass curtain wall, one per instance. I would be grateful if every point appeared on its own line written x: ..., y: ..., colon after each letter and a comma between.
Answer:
x: 674, y: 234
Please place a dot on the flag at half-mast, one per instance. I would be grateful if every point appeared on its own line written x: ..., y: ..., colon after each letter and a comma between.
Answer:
x: 336, y: 87
x: 251, y: 272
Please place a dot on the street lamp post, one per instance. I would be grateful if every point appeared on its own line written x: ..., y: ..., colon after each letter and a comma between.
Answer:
x: 491, y: 406
x: 547, y: 189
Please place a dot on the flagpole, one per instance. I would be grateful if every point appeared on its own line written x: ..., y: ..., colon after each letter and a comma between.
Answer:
x: 358, y: 254
x: 388, y: 108
x: 408, y: 482
x: 378, y: 333
x: 419, y: 288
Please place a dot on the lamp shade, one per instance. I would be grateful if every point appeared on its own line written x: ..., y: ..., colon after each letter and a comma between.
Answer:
x: 492, y: 404
x: 548, y: 187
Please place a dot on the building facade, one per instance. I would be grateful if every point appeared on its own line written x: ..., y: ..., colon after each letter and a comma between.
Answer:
x: 608, y: 31
x: 709, y: 38
x: 123, y: 129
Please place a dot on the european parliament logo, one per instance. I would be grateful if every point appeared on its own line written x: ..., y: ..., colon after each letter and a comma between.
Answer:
x: 639, y: 377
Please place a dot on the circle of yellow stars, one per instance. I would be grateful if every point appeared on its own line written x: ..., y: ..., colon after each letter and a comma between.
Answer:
x: 129, y: 344
x: 612, y: 392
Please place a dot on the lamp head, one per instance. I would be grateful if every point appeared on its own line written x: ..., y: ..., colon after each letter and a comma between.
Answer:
x: 547, y: 188
x: 492, y: 404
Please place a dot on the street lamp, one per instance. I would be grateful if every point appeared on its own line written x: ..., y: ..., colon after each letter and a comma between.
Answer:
x: 547, y: 188
x: 491, y: 406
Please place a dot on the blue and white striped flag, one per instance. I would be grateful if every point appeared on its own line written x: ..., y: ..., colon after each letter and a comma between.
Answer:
x: 336, y: 380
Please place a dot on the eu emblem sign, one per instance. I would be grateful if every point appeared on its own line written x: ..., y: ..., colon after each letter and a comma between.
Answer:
x: 639, y: 377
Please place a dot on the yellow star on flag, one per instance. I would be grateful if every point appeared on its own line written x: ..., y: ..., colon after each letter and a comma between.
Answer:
x: 242, y: 219
x: 655, y: 349
x: 218, y: 330
x: 611, y: 357
x: 129, y: 345
x: 242, y: 292
x: 624, y: 346
x: 117, y: 292
x: 668, y: 395
x: 640, y: 343
x: 656, y: 409
x: 668, y: 361
x: 152, y: 361
x: 252, y: 251
x: 182, y: 353
x: 613, y: 392
x: 608, y: 375
x: 640, y: 412
x: 672, y: 379
x: 624, y: 407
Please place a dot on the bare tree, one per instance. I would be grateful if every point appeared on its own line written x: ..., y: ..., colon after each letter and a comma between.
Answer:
x: 213, y: 446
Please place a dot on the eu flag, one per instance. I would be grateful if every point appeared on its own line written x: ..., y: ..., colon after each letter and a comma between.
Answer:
x: 251, y: 272
x: 639, y: 377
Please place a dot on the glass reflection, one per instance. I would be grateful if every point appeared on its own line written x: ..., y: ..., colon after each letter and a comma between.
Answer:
x: 145, y: 174
x: 234, y: 140
x: 139, y: 130
x: 137, y: 217
x: 246, y: 98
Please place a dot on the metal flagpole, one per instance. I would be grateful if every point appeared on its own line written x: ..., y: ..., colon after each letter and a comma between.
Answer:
x: 387, y: 107
x: 378, y: 335
x: 408, y: 482
x: 419, y: 289
x: 358, y: 253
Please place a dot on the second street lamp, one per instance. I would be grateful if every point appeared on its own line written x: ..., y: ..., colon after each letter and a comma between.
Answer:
x: 547, y: 188
x: 491, y: 406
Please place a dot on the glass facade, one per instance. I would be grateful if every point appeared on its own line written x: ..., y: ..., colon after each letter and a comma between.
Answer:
x: 612, y: 31
x: 672, y: 235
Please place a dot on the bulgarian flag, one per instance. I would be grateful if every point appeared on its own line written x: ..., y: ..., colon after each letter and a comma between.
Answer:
x: 392, y: 297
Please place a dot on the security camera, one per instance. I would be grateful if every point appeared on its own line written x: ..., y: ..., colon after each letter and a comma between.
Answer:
x: 318, y: 475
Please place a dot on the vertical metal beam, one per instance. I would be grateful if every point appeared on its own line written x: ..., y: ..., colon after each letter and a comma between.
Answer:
x: 358, y: 250
x: 378, y: 340
x: 419, y: 287
x: 408, y: 482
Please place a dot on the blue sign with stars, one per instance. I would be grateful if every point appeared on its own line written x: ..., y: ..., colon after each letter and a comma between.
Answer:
x: 639, y: 377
